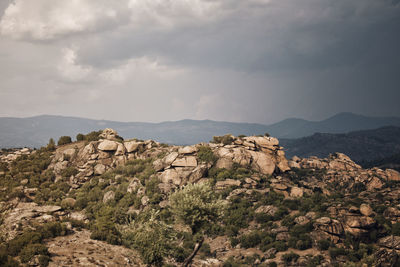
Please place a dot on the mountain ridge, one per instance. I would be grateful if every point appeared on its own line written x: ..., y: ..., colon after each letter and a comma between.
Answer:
x: 37, y: 130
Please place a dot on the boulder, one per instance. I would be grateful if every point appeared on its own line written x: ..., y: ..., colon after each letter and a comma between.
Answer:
x: 296, y: 192
x: 362, y: 222
x: 99, y: 169
x: 120, y: 150
x: 78, y: 215
x: 302, y: 220
x: 224, y: 163
x: 107, y: 145
x: 69, y: 153
x: 108, y: 196
x: 170, y: 158
x: 366, y: 210
x: 109, y: 134
x: 227, y: 183
x: 132, y: 146
x: 390, y: 242
x: 375, y: 183
x: 145, y: 200
x: 189, y: 161
x: 269, y: 209
x: 134, y: 185
x: 392, y: 175
x: 263, y: 141
x: 170, y: 176
x: 263, y: 162
x: 187, y: 150
x: 332, y: 227
x: 293, y: 164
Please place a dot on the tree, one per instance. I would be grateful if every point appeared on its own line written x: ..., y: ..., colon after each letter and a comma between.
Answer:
x: 197, y: 206
x: 64, y: 140
x: 51, y: 146
x: 80, y: 137
x: 151, y: 237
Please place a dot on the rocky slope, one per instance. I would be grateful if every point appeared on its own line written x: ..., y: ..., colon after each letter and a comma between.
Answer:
x: 73, y: 205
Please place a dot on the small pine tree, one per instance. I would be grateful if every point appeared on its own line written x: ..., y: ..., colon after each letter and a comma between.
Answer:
x: 51, y: 146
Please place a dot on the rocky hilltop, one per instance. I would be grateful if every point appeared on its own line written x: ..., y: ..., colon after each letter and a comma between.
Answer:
x: 80, y: 204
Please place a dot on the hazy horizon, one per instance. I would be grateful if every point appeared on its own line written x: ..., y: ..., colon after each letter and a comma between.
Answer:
x: 250, y: 122
x: 257, y: 61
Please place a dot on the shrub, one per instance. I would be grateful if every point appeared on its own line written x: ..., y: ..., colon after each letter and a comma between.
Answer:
x: 226, y: 139
x: 63, y: 140
x: 290, y: 257
x: 51, y: 146
x: 250, y: 240
x: 80, y: 137
x: 323, y: 244
x: 93, y: 136
x: 205, y: 154
x: 152, y: 238
x: 31, y: 250
x: 335, y: 252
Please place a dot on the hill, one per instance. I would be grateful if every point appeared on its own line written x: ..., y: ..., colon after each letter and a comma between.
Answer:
x: 36, y: 131
x: 235, y: 202
x: 364, y: 145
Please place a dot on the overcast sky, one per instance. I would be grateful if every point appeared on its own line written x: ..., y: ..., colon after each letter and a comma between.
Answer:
x: 234, y: 60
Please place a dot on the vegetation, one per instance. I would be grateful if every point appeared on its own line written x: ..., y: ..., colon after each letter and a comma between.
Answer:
x: 63, y: 140
x: 197, y: 206
x: 28, y: 244
x: 226, y: 139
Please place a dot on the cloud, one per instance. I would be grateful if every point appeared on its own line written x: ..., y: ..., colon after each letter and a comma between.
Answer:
x: 51, y: 19
x: 153, y: 60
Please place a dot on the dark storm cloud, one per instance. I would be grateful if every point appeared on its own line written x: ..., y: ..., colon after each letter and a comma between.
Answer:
x: 255, y: 60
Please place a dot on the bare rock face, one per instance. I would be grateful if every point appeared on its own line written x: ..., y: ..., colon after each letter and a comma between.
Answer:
x: 108, y: 145
x: 262, y: 162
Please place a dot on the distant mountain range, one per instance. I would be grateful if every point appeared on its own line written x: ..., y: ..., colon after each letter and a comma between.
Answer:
x: 360, y: 146
x: 36, y: 131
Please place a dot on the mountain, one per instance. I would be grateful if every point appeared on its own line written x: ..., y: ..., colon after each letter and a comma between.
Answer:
x: 36, y: 131
x: 366, y: 145
x: 340, y: 123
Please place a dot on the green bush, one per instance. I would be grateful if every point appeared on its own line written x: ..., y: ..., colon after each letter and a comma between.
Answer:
x: 324, y: 244
x: 250, y: 240
x: 80, y: 137
x: 335, y: 252
x: 31, y: 250
x: 226, y: 139
x: 205, y: 154
x: 290, y: 257
x: 63, y: 140
x: 93, y: 136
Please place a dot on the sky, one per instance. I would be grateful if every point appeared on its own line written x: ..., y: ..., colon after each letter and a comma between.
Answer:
x: 228, y: 60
